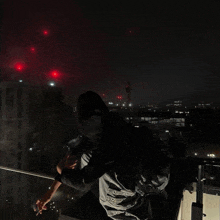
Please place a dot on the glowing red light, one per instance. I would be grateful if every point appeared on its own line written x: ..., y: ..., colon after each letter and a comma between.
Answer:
x: 32, y: 49
x: 45, y: 32
x: 19, y: 66
x: 55, y: 74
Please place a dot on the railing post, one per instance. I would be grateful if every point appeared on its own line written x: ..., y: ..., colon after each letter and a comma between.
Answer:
x: 197, y: 207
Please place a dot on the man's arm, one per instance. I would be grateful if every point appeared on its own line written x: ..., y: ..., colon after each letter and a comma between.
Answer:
x: 100, y: 163
x: 68, y: 162
x: 103, y: 159
x: 47, y: 197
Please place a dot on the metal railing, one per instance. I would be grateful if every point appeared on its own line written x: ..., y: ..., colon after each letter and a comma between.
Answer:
x: 27, y: 173
x: 197, y: 207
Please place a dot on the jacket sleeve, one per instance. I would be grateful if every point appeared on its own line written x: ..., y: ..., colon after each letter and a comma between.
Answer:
x: 73, y: 178
x: 103, y: 159
x: 100, y: 163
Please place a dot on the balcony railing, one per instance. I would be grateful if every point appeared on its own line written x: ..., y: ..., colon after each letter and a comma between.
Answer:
x: 196, y: 207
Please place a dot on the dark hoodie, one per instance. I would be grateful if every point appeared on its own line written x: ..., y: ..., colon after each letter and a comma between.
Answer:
x: 123, y: 149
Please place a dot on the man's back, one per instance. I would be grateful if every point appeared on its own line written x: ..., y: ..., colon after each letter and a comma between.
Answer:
x: 128, y: 166
x: 139, y: 168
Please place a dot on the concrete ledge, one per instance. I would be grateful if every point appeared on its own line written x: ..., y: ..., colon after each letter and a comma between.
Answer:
x: 64, y: 217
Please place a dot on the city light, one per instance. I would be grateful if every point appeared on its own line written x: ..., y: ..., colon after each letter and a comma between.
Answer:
x: 32, y: 49
x: 51, y: 84
x: 20, y: 80
x: 55, y: 74
x: 211, y: 155
x: 119, y: 97
x: 19, y: 66
x: 45, y: 32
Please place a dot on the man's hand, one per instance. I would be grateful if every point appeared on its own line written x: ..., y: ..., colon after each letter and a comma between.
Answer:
x: 42, y: 202
x: 71, y: 162
x: 47, y: 197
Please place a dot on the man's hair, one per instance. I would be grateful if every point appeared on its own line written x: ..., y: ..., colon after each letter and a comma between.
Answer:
x: 89, y: 104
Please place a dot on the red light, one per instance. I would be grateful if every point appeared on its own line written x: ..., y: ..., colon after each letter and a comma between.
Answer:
x: 45, y: 32
x: 19, y: 66
x: 55, y: 74
x: 32, y: 49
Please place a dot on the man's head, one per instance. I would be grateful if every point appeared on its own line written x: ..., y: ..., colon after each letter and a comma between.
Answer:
x: 90, y: 109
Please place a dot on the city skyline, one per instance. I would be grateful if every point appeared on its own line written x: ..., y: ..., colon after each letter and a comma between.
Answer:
x: 100, y: 46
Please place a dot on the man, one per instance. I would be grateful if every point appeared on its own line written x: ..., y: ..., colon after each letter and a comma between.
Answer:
x: 90, y: 107
x: 125, y: 160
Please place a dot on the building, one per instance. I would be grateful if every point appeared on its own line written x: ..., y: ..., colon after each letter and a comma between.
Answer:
x: 14, y: 127
x: 29, y: 115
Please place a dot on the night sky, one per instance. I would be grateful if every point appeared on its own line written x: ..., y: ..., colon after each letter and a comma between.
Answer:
x: 168, y: 50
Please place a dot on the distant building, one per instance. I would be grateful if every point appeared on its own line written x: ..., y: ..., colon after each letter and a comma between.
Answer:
x: 14, y: 121
x: 29, y: 115
x: 204, y: 105
x: 14, y: 127
x: 178, y: 103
